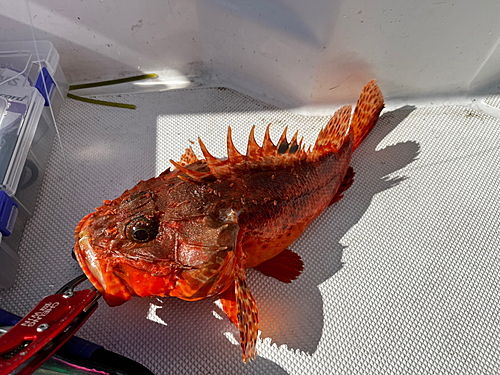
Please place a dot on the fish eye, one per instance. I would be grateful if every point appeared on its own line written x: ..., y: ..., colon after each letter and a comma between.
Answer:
x: 141, y: 229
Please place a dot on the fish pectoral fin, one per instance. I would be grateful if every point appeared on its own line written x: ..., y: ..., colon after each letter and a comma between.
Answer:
x: 346, y: 184
x: 241, y: 309
x: 246, y: 315
x: 285, y: 267
x: 239, y: 304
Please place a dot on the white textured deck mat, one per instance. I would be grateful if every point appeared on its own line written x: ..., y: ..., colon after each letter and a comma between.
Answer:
x: 493, y: 100
x: 401, y: 276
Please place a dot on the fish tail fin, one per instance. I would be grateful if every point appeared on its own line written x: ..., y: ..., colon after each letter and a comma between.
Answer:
x: 366, y: 114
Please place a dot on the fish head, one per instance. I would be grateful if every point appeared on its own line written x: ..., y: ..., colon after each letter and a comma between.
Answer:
x: 155, y: 242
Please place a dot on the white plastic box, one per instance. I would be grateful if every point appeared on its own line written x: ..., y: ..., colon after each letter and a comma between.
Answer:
x: 19, y: 125
x: 43, y: 56
x: 8, y: 258
x: 27, y: 131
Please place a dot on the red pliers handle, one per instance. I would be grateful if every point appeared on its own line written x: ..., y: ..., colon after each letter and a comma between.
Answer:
x: 46, y: 328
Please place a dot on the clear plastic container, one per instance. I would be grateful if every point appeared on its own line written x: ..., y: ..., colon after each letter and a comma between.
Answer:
x: 9, y: 258
x: 15, y: 66
x: 46, y: 76
x: 9, y: 261
x: 33, y: 171
x: 18, y: 127
x: 43, y: 60
x: 30, y: 80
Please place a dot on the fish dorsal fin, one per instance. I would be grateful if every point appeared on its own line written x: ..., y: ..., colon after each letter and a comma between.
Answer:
x: 334, y: 134
x: 270, y: 155
x: 330, y: 140
x: 189, y: 157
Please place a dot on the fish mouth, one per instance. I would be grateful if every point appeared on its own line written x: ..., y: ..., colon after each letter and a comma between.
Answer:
x: 99, y: 273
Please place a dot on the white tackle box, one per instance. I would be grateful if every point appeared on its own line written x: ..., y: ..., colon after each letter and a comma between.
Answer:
x: 32, y: 89
x: 45, y: 57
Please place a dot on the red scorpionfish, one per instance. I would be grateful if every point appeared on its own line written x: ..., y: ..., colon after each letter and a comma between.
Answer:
x: 191, y: 233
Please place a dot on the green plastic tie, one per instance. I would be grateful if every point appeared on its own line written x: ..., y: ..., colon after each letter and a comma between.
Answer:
x: 101, y: 102
x: 113, y: 82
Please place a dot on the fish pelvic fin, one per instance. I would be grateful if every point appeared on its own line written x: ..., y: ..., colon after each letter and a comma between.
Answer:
x: 367, y: 112
x: 228, y: 301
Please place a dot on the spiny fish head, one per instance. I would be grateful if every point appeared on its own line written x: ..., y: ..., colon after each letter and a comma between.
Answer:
x: 138, y: 245
x: 131, y: 226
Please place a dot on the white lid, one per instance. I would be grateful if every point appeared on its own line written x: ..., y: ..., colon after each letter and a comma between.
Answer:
x: 47, y: 54
x: 15, y: 67
x: 18, y: 126
x: 3, y: 109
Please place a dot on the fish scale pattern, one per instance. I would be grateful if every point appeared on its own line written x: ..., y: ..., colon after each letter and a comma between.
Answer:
x: 400, y: 276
